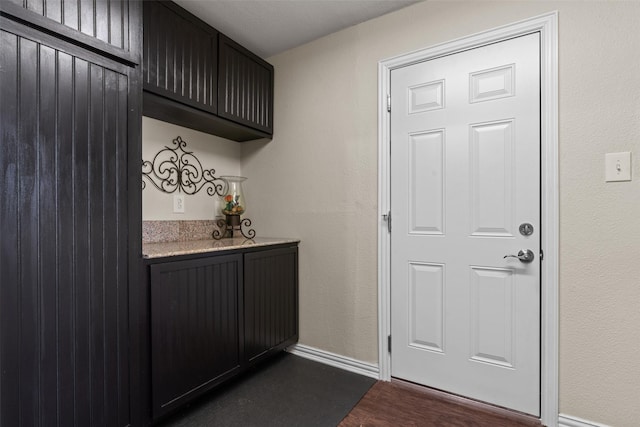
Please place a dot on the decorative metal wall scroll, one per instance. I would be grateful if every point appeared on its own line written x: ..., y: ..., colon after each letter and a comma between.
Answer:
x: 231, y: 225
x: 178, y: 169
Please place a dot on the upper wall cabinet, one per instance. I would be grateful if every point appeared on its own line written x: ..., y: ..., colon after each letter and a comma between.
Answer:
x: 180, y: 56
x: 197, y: 78
x: 245, y: 90
x: 99, y: 25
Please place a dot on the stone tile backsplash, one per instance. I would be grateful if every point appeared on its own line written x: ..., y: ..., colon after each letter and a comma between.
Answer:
x: 177, y: 231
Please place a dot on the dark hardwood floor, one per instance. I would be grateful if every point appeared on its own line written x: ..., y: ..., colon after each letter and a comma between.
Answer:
x: 398, y: 403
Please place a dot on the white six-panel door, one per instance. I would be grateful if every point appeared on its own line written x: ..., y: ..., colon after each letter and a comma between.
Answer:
x: 465, y: 174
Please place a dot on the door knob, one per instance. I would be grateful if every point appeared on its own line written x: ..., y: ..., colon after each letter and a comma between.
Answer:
x: 524, y: 255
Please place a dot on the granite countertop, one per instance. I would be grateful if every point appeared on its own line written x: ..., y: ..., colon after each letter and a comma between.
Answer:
x: 159, y: 250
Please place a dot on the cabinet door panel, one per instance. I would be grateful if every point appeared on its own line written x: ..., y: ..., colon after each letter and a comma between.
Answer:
x: 270, y: 300
x: 245, y: 87
x: 195, y: 327
x: 180, y: 56
x: 64, y: 341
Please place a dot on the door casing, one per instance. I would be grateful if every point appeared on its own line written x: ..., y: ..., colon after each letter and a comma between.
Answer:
x: 547, y: 26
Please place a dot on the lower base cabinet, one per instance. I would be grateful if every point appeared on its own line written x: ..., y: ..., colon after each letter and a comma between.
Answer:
x: 195, y: 327
x: 213, y: 316
x: 270, y: 301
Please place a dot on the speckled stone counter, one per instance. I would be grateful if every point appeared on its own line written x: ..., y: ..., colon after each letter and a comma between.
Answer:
x: 160, y: 250
x: 177, y: 231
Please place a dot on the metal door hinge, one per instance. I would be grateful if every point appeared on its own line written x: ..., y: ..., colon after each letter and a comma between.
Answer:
x: 387, y: 217
x: 389, y: 103
x: 389, y: 343
x: 541, y: 254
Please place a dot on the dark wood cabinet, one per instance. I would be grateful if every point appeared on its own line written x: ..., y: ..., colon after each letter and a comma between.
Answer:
x: 200, y: 79
x: 211, y: 316
x: 180, y: 56
x: 270, y: 301
x: 70, y: 227
x: 196, y: 327
x: 245, y: 87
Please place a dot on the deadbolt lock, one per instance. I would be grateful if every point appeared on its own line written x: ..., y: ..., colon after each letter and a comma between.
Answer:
x: 526, y: 229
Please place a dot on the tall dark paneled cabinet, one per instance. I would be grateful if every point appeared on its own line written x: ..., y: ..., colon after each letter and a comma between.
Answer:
x: 70, y: 95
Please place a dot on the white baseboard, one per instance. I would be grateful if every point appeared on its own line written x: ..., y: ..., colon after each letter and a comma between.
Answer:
x: 569, y: 421
x: 335, y: 360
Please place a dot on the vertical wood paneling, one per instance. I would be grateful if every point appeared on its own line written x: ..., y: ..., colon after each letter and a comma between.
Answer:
x: 270, y: 300
x: 70, y: 15
x: 102, y: 27
x: 116, y: 23
x: 194, y: 327
x: 245, y: 86
x: 82, y: 303
x: 126, y: 230
x: 9, y: 224
x: 96, y: 235
x: 105, y: 20
x: 111, y: 220
x: 65, y: 243
x: 53, y: 10
x: 64, y: 217
x: 28, y: 231
x: 47, y: 204
x: 36, y: 6
x: 86, y: 14
x: 150, y: 46
x: 162, y: 36
x: 169, y: 54
x: 180, y: 56
x: 110, y: 245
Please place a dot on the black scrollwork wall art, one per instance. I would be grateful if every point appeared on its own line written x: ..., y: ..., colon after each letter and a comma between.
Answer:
x: 176, y: 169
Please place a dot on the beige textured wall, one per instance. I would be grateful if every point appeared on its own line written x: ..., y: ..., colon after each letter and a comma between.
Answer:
x: 317, y: 180
x: 220, y: 154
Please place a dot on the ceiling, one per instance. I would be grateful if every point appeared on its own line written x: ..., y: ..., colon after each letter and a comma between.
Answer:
x: 268, y: 27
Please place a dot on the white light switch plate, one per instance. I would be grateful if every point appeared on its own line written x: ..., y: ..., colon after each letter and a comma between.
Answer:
x: 617, y: 166
x: 178, y: 203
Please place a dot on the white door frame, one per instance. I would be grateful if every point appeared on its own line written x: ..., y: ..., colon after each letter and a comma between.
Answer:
x: 547, y: 25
